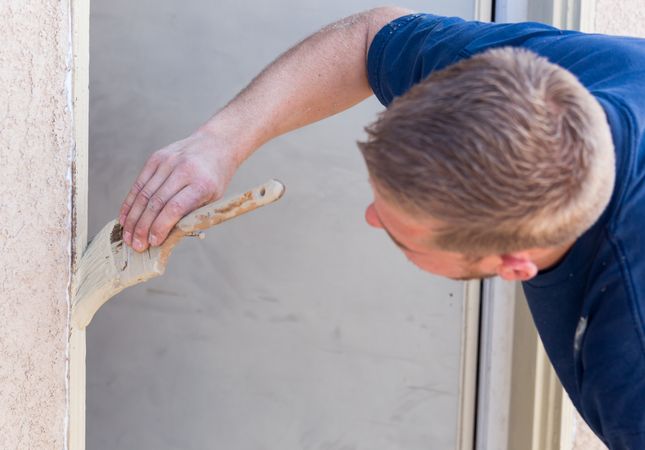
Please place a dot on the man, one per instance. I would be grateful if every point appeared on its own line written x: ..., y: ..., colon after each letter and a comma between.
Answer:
x: 490, y: 160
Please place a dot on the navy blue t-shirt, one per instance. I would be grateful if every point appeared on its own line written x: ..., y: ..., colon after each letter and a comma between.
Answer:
x: 589, y: 309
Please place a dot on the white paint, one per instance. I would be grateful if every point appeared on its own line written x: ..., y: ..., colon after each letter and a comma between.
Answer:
x: 495, y: 364
x: 468, y: 371
x: 511, y: 10
x: 69, y: 92
x: 80, y: 21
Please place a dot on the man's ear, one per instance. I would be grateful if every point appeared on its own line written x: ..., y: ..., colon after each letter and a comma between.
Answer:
x: 517, y: 266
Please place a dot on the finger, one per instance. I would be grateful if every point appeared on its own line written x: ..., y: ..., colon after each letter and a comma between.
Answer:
x: 188, y: 199
x: 146, y: 173
x: 171, y: 186
x: 141, y: 201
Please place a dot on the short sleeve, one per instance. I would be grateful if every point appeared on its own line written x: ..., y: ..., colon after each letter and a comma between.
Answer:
x: 411, y: 47
x: 408, y: 48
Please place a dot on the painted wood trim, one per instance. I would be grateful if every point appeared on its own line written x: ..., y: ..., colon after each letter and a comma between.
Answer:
x: 587, y: 22
x: 469, y: 357
x: 572, y: 14
x: 548, y: 408
x: 565, y: 14
x: 567, y: 422
x: 553, y: 414
x: 495, y: 364
x: 80, y: 18
x: 81, y: 96
x: 541, y: 414
x: 468, y: 366
x: 483, y: 10
x: 550, y: 418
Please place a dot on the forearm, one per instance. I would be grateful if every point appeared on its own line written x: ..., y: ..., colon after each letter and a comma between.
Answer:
x: 321, y: 76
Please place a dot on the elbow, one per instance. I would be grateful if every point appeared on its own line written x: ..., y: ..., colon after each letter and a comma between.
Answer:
x: 377, y: 18
x: 386, y: 14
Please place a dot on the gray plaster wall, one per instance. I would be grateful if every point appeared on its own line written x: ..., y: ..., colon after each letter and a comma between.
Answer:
x: 35, y: 227
x: 295, y: 327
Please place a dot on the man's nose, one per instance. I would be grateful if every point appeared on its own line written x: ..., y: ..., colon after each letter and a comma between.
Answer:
x: 371, y: 217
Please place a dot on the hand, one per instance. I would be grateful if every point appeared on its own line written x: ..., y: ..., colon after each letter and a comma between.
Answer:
x: 174, y: 181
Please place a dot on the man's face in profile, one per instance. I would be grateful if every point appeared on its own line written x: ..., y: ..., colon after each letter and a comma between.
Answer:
x: 414, y: 238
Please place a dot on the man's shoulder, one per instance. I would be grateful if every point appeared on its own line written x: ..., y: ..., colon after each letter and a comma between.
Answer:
x: 408, y: 49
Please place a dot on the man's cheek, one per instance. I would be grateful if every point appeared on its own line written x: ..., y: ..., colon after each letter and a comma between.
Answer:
x: 423, y: 263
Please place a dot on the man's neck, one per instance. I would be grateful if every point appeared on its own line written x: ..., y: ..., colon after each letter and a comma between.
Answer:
x: 546, y: 258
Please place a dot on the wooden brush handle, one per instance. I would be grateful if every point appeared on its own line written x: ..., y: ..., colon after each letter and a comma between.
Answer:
x: 220, y: 211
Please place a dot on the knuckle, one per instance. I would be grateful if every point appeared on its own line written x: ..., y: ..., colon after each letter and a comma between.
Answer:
x: 140, y: 232
x: 205, y: 187
x: 154, y: 231
x: 156, y: 203
x: 128, y: 200
x: 136, y: 188
x: 127, y: 228
x: 130, y: 222
x: 132, y: 197
x: 202, y: 189
x: 175, y: 208
x: 186, y: 170
x: 144, y: 196
x: 158, y: 157
x: 155, y: 158
x: 141, y: 201
x: 158, y: 233
x: 170, y: 157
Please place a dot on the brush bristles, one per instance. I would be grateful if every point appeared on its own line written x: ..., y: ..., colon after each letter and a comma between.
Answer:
x: 107, y: 267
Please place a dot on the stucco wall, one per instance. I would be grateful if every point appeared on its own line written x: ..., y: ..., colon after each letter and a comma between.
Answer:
x: 623, y: 17
x: 35, y: 227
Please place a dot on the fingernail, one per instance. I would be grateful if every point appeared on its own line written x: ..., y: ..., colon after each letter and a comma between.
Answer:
x: 138, y: 246
x: 127, y: 237
x: 153, y: 240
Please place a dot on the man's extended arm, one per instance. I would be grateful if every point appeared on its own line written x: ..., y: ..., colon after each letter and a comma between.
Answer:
x: 321, y: 76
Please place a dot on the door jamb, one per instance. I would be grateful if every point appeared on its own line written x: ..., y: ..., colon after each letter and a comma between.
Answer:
x: 547, y: 408
x: 80, y: 23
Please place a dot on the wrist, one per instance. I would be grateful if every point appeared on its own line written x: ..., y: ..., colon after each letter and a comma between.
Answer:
x: 236, y: 132
x: 222, y: 144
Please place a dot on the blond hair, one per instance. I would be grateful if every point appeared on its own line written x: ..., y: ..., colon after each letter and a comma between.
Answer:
x: 507, y: 150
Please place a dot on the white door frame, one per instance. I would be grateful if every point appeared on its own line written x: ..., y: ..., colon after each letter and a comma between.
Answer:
x: 509, y: 345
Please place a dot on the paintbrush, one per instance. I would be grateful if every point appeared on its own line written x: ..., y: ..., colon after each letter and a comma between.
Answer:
x: 108, y: 265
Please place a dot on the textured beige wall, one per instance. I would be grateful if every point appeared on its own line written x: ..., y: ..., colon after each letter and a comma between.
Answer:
x: 623, y: 17
x: 584, y: 438
x: 35, y: 151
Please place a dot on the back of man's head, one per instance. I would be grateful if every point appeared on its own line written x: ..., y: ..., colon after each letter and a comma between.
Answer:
x: 506, y: 149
